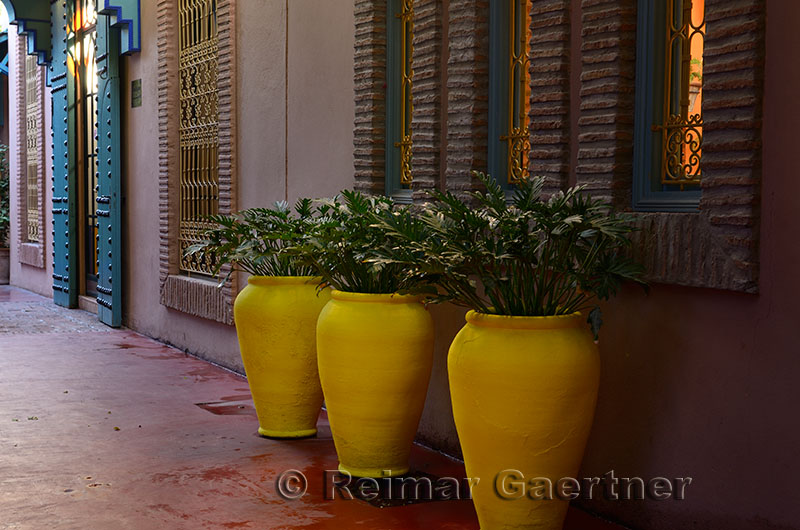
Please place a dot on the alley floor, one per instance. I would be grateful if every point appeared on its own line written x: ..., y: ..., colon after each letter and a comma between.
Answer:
x: 103, y: 428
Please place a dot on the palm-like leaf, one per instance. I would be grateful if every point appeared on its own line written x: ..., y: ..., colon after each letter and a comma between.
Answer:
x: 531, y: 256
x: 255, y: 240
x: 344, y: 248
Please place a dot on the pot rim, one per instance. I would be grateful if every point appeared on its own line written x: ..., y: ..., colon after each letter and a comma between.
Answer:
x: 487, y: 320
x: 284, y: 280
x: 376, y: 298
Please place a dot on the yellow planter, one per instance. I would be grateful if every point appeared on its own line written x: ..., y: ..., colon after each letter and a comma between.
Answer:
x: 524, y: 391
x: 276, y: 318
x: 375, y: 356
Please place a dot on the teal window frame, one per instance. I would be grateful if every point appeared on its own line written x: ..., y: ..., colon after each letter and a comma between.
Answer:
x: 648, y: 193
x: 497, y: 160
x: 394, y: 187
x: 500, y: 138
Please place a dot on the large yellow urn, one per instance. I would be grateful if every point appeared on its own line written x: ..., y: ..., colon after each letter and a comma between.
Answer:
x: 375, y: 353
x: 524, y: 391
x: 276, y: 318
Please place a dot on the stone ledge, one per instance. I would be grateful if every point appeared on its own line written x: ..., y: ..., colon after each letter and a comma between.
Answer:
x: 31, y: 254
x: 197, y: 297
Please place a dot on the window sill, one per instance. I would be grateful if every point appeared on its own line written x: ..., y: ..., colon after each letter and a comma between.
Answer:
x: 31, y: 254
x: 197, y: 297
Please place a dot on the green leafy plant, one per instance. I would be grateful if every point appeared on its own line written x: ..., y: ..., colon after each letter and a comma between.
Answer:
x: 696, y: 74
x: 526, y: 257
x: 253, y: 240
x: 5, y: 213
x: 343, y: 247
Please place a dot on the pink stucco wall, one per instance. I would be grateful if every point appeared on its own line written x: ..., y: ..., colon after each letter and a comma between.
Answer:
x: 143, y: 311
x: 281, y: 117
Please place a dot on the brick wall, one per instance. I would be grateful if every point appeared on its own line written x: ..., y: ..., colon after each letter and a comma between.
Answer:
x: 427, y: 95
x: 370, y: 95
x: 733, y: 78
x: 605, y: 124
x: 715, y: 247
x: 468, y: 92
x: 550, y: 95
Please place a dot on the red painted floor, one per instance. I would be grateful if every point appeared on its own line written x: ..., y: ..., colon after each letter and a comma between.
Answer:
x: 110, y: 429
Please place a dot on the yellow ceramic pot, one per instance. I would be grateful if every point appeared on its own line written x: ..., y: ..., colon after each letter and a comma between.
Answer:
x: 524, y: 391
x: 276, y: 318
x: 375, y: 353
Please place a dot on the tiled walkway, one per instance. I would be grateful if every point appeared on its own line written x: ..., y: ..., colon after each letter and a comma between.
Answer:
x: 104, y: 429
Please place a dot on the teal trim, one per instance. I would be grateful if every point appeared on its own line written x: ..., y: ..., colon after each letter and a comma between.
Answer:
x: 109, y: 194
x: 65, y: 224
x: 3, y: 71
x: 124, y: 15
x: 499, y: 54
x: 4, y: 52
x: 33, y: 19
x: 648, y: 194
x: 394, y: 95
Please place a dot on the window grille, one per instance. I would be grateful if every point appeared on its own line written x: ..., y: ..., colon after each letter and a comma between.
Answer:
x: 86, y: 47
x: 509, y: 90
x: 406, y: 17
x: 682, y: 124
x: 199, y: 125
x: 518, y: 134
x: 33, y: 153
x: 399, y: 103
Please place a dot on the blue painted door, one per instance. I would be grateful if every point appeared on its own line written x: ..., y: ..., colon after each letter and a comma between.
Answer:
x: 109, y: 178
x: 67, y: 166
x: 65, y: 226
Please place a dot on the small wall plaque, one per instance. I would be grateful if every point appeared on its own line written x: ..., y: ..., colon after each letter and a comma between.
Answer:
x: 136, y: 93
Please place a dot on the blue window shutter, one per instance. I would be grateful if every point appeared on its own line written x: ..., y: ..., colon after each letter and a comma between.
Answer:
x: 109, y: 197
x: 65, y: 226
x: 124, y: 15
x: 498, y: 91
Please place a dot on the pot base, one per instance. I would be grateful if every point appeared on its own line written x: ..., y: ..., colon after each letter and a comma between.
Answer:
x: 363, y: 472
x: 305, y: 433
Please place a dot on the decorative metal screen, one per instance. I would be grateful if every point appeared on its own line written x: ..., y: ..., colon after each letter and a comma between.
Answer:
x: 682, y: 124
x: 82, y: 123
x: 33, y: 153
x: 86, y: 44
x: 518, y: 134
x: 199, y: 126
x: 406, y: 17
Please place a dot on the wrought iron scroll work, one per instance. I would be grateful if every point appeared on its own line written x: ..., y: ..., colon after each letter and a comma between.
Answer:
x: 518, y: 135
x: 33, y: 153
x: 682, y: 129
x: 406, y: 17
x: 199, y: 128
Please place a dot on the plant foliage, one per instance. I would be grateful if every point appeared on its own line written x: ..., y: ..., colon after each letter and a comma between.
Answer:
x: 253, y: 240
x: 523, y: 257
x: 344, y: 246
